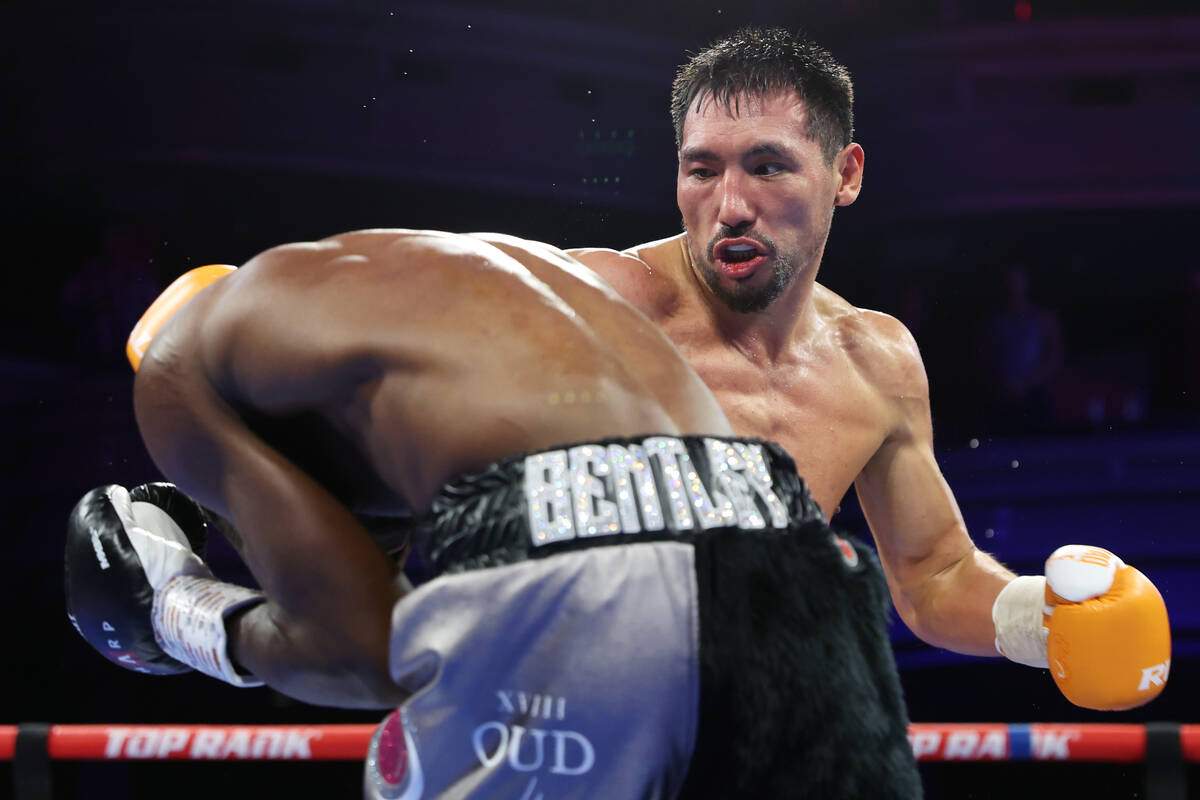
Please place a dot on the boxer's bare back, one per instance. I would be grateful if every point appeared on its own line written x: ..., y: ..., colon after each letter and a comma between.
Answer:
x: 361, y: 372
x: 408, y: 357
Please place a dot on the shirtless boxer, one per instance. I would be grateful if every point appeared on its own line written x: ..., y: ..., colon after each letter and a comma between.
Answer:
x: 618, y: 572
x: 763, y: 124
x: 790, y: 360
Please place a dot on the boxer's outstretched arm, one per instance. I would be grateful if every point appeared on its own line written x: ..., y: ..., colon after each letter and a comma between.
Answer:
x: 323, y: 635
x: 942, y: 584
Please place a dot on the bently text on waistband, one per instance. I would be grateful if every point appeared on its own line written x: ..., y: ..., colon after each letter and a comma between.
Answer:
x: 602, y: 490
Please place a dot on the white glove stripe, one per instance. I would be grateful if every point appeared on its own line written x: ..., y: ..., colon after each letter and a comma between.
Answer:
x: 162, y: 555
x: 118, y: 497
x: 163, y: 559
x: 150, y: 517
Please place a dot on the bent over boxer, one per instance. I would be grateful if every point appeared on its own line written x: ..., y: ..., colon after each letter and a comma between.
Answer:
x: 630, y: 601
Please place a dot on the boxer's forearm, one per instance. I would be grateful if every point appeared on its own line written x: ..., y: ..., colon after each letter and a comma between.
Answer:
x: 306, y: 664
x: 953, y: 607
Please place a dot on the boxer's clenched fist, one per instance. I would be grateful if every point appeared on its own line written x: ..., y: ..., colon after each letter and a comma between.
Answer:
x: 1109, y: 644
x: 122, y: 545
x: 1098, y: 624
x: 137, y: 588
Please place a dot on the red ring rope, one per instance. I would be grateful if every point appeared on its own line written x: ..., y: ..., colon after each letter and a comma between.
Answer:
x: 1120, y: 743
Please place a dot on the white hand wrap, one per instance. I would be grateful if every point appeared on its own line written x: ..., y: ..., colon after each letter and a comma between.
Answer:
x: 1017, y: 615
x: 189, y: 623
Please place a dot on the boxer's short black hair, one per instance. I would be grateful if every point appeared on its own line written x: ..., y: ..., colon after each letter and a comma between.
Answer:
x: 756, y: 61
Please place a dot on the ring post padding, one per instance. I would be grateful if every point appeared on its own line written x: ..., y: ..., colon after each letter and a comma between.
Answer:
x: 1165, y: 775
x: 31, y: 762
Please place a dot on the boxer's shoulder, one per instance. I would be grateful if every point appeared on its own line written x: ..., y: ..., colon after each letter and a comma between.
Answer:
x: 880, y: 347
x: 297, y: 324
x: 646, y: 275
x: 545, y: 261
x: 370, y: 253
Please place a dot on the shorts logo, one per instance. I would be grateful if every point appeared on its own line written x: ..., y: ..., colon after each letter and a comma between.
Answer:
x: 393, y: 768
x: 849, y: 554
x: 600, y: 490
x: 526, y: 748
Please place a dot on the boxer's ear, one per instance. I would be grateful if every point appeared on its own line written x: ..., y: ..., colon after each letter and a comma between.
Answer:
x: 848, y: 165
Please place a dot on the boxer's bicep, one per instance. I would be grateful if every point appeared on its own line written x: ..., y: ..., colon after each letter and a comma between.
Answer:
x: 942, y: 585
x: 912, y: 512
x: 913, y: 516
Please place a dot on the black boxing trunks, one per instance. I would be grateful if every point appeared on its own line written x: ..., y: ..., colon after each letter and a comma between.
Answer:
x: 662, y: 617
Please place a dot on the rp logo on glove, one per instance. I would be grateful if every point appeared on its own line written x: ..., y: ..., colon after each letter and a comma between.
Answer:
x: 1155, y: 676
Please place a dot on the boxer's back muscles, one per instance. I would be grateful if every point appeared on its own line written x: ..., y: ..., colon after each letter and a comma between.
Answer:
x: 409, y: 357
x: 430, y: 354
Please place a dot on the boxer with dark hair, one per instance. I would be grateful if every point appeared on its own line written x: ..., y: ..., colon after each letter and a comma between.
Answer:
x: 616, y: 569
x: 630, y: 600
x: 764, y: 123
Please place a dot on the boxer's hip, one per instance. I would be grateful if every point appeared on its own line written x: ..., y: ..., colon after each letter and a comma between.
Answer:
x: 619, y: 618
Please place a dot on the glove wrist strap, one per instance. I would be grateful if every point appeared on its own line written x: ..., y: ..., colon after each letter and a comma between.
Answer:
x: 189, y: 624
x: 1017, y: 615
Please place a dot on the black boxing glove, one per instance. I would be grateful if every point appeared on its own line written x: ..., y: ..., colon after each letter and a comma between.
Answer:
x: 137, y: 589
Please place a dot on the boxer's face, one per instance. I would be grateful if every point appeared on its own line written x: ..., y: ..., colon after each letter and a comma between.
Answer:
x: 757, y: 196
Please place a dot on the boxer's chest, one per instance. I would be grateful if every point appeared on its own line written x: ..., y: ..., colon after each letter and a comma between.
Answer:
x: 824, y: 416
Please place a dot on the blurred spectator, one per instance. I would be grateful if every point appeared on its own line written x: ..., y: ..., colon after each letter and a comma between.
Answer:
x: 104, y: 299
x: 1023, y: 351
x: 1104, y: 388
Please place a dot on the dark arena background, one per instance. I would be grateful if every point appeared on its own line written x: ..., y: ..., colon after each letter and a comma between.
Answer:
x: 1038, y: 155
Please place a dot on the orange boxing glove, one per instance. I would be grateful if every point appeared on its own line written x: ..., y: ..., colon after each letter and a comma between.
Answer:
x: 1099, y: 625
x: 1109, y: 644
x: 175, y: 297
